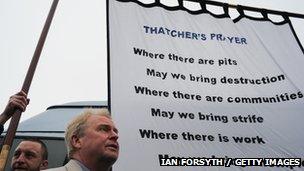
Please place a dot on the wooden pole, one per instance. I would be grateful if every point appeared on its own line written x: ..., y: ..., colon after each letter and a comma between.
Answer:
x: 25, y: 87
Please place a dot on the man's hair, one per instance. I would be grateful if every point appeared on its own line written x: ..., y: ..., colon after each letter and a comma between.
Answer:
x: 43, y: 146
x: 78, y: 125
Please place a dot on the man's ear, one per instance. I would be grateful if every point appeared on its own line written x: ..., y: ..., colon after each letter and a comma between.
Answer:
x: 44, y: 165
x: 76, y: 142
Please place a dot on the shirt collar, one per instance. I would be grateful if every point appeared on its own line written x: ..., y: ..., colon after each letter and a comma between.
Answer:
x: 83, y: 167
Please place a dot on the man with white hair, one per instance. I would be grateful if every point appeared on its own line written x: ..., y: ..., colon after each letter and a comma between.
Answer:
x: 91, y: 140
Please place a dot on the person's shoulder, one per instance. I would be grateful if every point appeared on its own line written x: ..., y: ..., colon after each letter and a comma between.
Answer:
x: 72, y: 165
x: 56, y: 169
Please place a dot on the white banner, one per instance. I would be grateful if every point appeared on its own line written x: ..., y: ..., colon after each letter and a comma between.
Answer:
x: 197, y: 86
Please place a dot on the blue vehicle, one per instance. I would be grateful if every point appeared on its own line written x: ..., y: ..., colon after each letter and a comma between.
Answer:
x: 49, y: 126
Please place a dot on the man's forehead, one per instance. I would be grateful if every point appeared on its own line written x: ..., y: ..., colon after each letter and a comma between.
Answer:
x: 29, y: 145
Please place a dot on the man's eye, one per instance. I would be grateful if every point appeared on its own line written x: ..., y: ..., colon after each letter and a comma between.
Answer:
x: 104, y: 128
x: 16, y: 154
x: 29, y: 155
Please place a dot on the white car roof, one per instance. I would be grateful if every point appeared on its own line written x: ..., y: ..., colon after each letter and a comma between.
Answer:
x: 52, y: 122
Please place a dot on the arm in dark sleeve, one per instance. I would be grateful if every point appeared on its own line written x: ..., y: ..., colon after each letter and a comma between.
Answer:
x: 1, y: 129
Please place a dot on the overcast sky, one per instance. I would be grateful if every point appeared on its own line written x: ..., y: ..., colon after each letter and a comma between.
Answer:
x: 73, y: 64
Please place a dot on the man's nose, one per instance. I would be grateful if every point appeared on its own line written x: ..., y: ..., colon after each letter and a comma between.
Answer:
x: 114, y: 135
x: 20, y: 158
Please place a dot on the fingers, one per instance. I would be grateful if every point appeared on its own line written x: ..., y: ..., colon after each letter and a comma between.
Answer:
x: 19, y: 100
x: 16, y: 103
x: 23, y: 95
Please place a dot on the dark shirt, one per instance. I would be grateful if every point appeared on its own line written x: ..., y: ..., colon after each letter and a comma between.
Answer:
x: 1, y: 129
